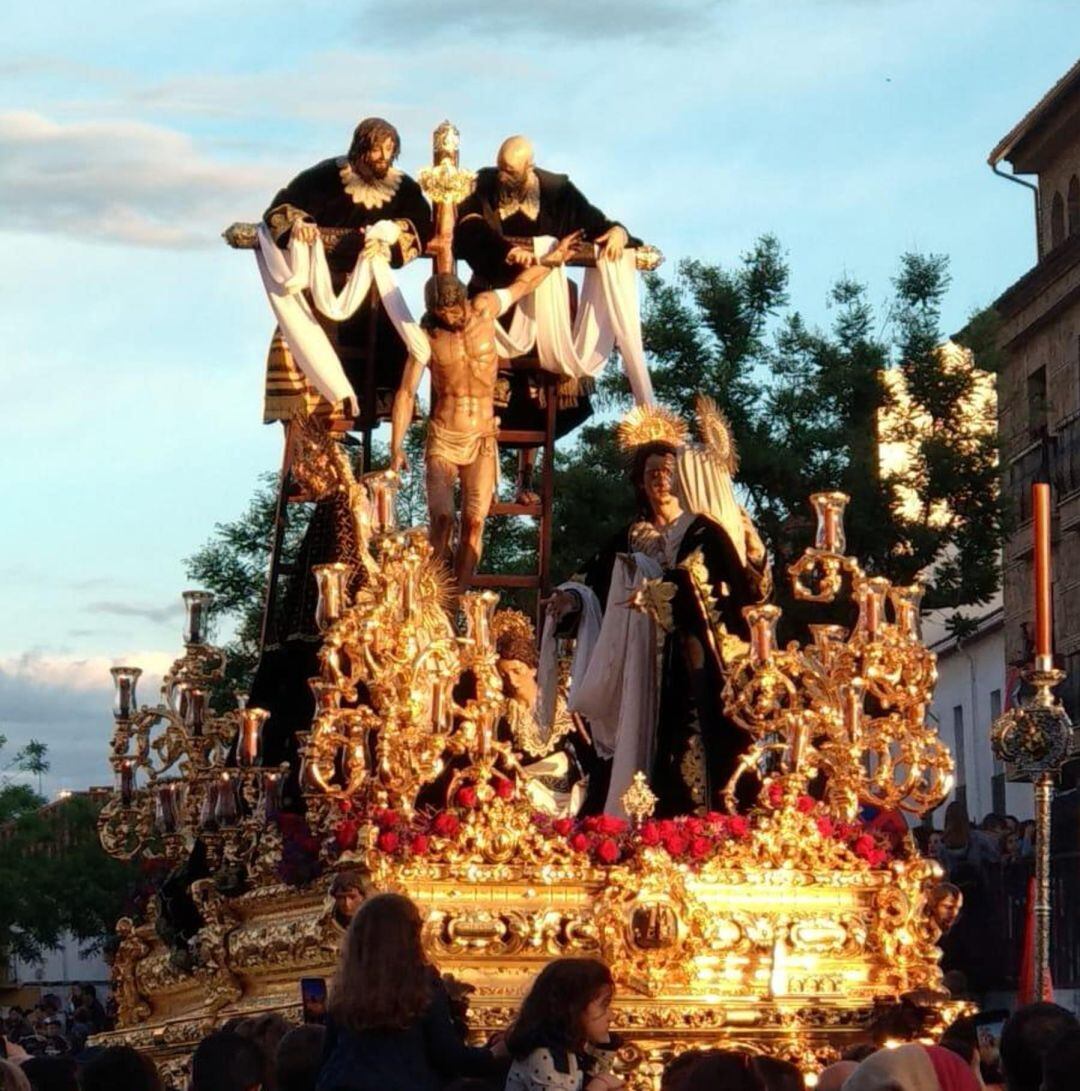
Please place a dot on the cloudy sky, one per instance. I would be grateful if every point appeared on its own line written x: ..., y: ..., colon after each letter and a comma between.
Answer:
x: 131, y: 136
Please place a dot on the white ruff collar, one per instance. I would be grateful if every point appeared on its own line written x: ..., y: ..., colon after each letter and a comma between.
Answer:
x: 369, y: 194
x: 529, y: 205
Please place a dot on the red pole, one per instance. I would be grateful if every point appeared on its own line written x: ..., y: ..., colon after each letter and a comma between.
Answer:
x: 1044, y: 617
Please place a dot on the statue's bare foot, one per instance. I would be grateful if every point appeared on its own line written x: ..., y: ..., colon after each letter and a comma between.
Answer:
x: 526, y: 495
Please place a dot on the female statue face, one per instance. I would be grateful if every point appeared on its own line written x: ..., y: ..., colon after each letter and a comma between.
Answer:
x: 659, y: 482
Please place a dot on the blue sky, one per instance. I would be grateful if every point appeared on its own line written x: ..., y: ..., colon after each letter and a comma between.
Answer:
x: 129, y: 137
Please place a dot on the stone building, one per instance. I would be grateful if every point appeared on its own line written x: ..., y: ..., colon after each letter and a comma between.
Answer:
x: 1039, y: 382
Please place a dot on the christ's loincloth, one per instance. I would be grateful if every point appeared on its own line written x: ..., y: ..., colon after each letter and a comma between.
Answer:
x: 450, y: 451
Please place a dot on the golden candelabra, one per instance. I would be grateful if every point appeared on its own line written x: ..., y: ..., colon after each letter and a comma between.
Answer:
x: 782, y: 930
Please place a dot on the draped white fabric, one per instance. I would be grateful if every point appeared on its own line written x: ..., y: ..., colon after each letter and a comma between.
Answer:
x: 618, y: 693
x: 608, y: 317
x: 585, y: 640
x: 287, y: 273
x: 707, y: 490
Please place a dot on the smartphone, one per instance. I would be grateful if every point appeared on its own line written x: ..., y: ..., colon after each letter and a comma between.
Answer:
x: 313, y: 999
x: 988, y: 1028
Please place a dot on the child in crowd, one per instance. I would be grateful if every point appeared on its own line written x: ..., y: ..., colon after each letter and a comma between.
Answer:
x: 560, y: 1040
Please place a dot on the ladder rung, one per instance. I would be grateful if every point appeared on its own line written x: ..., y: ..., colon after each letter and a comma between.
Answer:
x: 501, y: 508
x: 521, y: 435
x: 490, y: 579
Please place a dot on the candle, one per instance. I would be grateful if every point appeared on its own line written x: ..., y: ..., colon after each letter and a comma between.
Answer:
x: 124, y: 680
x: 227, y: 806
x: 169, y: 801
x: 249, y: 743
x: 125, y: 779
x: 829, y: 507
x: 851, y: 696
x: 762, y: 622
x: 195, y: 710
x: 197, y: 616
x: 1044, y: 617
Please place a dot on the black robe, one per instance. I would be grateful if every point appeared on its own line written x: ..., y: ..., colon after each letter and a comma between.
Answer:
x: 481, y: 239
x: 319, y: 194
x: 697, y: 746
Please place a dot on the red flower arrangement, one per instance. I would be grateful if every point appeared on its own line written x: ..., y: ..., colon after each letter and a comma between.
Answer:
x: 606, y: 839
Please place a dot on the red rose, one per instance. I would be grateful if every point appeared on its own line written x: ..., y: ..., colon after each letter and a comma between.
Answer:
x: 694, y: 826
x: 562, y: 826
x: 345, y: 834
x: 386, y: 819
x: 388, y: 841
x: 504, y: 788
x: 650, y: 834
x: 716, y: 818
x: 668, y: 827
x: 345, y: 806
x: 805, y: 804
x: 446, y: 824
x: 877, y: 857
x: 579, y: 842
x: 738, y: 826
x: 700, y: 847
x: 610, y: 825
x: 607, y: 852
x: 676, y: 844
x: 776, y: 794
x: 825, y: 826
x: 418, y: 846
x: 591, y: 824
x: 864, y: 846
x: 466, y: 797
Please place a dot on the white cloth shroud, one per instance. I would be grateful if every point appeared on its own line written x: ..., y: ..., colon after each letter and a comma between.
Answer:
x: 287, y: 273
x: 608, y: 316
x: 617, y: 691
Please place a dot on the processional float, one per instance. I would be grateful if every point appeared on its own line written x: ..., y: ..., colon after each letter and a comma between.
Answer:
x: 785, y: 929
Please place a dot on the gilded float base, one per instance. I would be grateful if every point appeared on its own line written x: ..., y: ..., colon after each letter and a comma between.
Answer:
x: 779, y: 960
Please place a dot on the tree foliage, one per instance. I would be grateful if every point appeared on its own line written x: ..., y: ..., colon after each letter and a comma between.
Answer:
x: 55, y: 878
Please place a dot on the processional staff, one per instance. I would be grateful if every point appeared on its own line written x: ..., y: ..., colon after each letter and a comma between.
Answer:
x: 1036, y: 738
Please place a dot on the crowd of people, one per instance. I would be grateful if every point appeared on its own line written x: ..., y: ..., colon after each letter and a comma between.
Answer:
x: 392, y: 1024
x: 987, y: 867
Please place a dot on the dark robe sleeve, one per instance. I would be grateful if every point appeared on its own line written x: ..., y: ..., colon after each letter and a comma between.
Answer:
x: 478, y: 235
x: 413, y: 215
x: 303, y: 198
x: 447, y: 1052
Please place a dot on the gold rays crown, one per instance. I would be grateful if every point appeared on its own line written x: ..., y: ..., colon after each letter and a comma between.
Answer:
x: 511, y: 622
x: 650, y: 424
x: 716, y: 433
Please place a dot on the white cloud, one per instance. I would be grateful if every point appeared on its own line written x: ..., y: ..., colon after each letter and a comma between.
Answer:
x: 119, y: 181
x: 65, y: 702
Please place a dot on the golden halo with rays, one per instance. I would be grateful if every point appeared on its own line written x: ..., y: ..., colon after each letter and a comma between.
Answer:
x: 650, y: 424
x: 715, y: 430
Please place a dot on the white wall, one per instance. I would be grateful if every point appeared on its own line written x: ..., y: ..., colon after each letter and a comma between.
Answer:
x: 968, y: 676
x: 63, y: 966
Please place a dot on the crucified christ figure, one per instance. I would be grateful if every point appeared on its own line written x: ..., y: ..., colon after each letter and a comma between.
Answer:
x: 462, y: 430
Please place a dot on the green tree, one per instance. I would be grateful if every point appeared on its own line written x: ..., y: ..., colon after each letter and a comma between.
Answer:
x: 803, y: 405
x: 55, y: 878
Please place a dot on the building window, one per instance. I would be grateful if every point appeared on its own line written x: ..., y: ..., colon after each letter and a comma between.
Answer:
x: 1074, y: 205
x: 958, y: 745
x: 1057, y: 221
x: 1036, y: 402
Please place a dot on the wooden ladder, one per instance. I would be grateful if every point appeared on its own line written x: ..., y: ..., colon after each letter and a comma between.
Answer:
x: 540, y: 580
